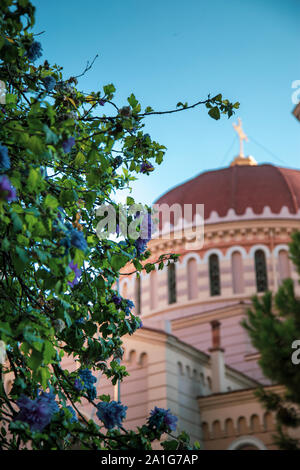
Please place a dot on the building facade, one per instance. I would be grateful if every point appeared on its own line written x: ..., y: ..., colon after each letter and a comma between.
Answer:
x: 192, y: 355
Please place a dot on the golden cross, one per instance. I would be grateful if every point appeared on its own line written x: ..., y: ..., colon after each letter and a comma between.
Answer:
x: 241, y: 134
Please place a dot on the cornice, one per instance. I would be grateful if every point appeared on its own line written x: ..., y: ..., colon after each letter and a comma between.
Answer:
x: 240, y: 397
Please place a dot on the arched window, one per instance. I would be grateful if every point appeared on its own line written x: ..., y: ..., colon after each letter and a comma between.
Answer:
x: 125, y: 290
x: 284, y: 265
x: 237, y: 273
x: 214, y: 275
x: 171, y: 283
x: 261, y: 271
x: 137, y: 295
x: 153, y: 290
x: 192, y: 278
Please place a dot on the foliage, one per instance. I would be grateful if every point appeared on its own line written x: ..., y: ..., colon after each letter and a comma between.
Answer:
x: 273, y: 324
x: 62, y: 157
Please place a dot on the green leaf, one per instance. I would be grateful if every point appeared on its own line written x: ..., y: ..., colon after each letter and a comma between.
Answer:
x: 118, y: 261
x: 33, y: 179
x: 17, y: 222
x: 79, y: 159
x: 214, y: 113
x: 51, y: 202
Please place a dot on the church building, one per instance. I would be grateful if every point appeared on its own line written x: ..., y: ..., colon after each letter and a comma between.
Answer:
x: 192, y: 355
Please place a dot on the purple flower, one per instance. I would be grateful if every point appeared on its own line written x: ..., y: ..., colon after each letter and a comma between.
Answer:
x: 102, y: 102
x: 78, y: 240
x: 4, y: 158
x: 35, y: 51
x: 147, y: 227
x: 111, y: 414
x: 7, y: 191
x: 68, y: 144
x: 78, y: 385
x: 117, y: 300
x: 49, y: 83
x: 140, y: 246
x: 86, y: 382
x: 162, y: 419
x: 146, y: 167
x: 37, y: 413
x: 129, y: 306
x: 77, y: 273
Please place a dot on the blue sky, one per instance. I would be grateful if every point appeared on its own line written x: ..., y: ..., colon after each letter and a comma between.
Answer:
x: 165, y: 51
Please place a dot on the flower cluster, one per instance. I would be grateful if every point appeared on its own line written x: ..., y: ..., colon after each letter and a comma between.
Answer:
x: 146, y: 167
x: 129, y: 306
x: 117, y: 300
x: 85, y: 382
x: 73, y: 237
x: 162, y: 419
x: 38, y: 412
x: 35, y: 51
x: 111, y: 413
x: 146, y: 230
x: 77, y: 273
x: 68, y: 144
x: 78, y: 240
x: 125, y: 303
x: 49, y: 83
x: 4, y: 158
x: 117, y: 161
x: 7, y: 191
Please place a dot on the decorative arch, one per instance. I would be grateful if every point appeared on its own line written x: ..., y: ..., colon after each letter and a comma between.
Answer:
x: 180, y: 368
x: 213, y: 251
x: 234, y: 248
x: 254, y: 423
x: 268, y: 421
x: 254, y: 248
x: 124, y: 289
x: 261, y: 270
x: 229, y: 427
x: 244, y: 441
x: 237, y: 271
x: 138, y: 295
x: 214, y: 274
x: 282, y: 246
x: 132, y: 356
x: 242, y: 425
x: 216, y: 429
x: 143, y: 360
x: 205, y: 431
x: 192, y: 278
x: 189, y: 256
x: 283, y: 265
x: 153, y: 290
x: 172, y: 283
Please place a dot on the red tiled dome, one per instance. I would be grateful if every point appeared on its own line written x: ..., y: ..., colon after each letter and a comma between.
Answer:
x: 239, y: 187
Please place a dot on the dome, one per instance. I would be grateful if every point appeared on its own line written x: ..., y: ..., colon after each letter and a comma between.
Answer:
x: 238, y: 188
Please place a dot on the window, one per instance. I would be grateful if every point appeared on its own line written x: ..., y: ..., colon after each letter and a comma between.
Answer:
x: 138, y: 295
x: 237, y: 273
x: 261, y: 271
x: 153, y: 290
x: 171, y: 283
x: 284, y: 265
x: 214, y: 275
x: 192, y: 278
